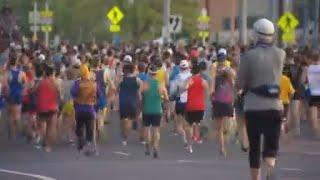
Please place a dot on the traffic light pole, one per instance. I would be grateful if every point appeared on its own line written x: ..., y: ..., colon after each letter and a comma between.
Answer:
x: 243, y: 22
x: 47, y: 33
x: 35, y: 11
x: 166, y: 17
x: 316, y: 25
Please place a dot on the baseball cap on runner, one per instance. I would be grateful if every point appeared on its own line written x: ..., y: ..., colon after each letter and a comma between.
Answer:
x: 222, y: 53
x: 127, y: 59
x: 184, y: 64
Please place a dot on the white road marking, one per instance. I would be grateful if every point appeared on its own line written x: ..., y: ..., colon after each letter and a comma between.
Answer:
x: 27, y: 174
x: 292, y: 169
x: 311, y: 153
x: 121, y: 153
x: 188, y: 161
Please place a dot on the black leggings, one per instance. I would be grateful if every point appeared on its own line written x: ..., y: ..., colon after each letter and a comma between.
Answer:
x: 268, y: 124
x: 85, y: 122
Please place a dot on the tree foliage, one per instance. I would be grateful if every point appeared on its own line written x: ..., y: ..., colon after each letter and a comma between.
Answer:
x: 86, y: 19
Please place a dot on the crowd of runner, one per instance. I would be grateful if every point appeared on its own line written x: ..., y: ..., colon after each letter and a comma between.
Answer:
x: 68, y: 92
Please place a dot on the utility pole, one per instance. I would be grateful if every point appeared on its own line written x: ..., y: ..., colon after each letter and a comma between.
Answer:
x: 243, y: 22
x: 47, y: 33
x: 274, y: 9
x: 305, y: 23
x: 316, y: 25
x: 35, y: 13
x: 166, y: 17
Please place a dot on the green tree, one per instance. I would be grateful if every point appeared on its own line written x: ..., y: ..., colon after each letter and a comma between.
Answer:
x: 87, y: 18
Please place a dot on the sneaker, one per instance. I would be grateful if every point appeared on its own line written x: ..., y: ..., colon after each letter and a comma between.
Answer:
x: 155, y: 154
x: 185, y: 146
x: 194, y: 138
x: 199, y: 140
x: 47, y: 149
x: 124, y: 143
x: 147, y: 152
x: 190, y: 150
x: 223, y: 152
x: 143, y: 142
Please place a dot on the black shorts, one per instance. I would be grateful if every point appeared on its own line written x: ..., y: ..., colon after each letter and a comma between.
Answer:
x: 221, y: 110
x: 194, y: 116
x: 128, y: 112
x: 46, y: 115
x: 151, y: 120
x: 314, y: 101
x: 180, y: 108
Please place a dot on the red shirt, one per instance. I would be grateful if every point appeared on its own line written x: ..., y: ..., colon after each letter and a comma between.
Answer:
x: 47, y: 96
x: 196, y: 95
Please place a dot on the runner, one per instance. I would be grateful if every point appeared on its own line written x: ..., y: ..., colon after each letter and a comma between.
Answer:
x: 296, y: 72
x: 153, y: 93
x: 313, y: 73
x: 222, y: 97
x: 85, y: 93
x: 143, y: 76
x: 102, y: 78
x: 47, y: 96
x: 259, y: 76
x: 195, y: 106
x: 286, y: 93
x: 128, y: 100
x: 181, y: 96
x: 16, y: 79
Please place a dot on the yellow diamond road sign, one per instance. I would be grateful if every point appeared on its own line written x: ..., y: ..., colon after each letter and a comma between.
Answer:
x: 203, y: 19
x: 114, y: 28
x: 46, y: 28
x: 46, y: 13
x: 289, y: 37
x: 204, y: 34
x: 115, y: 15
x: 288, y: 22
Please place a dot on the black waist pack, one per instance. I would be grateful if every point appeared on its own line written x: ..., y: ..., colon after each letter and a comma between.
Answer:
x: 268, y: 91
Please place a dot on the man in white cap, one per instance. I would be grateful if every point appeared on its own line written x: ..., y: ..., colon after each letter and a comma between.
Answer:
x: 180, y: 95
x: 259, y: 76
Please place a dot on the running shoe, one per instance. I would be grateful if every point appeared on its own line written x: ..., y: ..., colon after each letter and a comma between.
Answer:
x: 155, y: 154
x: 124, y: 143
x: 190, y: 149
x: 147, y: 152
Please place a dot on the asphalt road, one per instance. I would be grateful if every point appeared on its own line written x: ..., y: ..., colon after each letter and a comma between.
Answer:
x: 299, y: 159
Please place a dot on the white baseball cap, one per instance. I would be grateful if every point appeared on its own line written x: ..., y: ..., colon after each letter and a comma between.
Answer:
x: 42, y: 57
x: 127, y: 59
x: 222, y: 52
x: 184, y: 64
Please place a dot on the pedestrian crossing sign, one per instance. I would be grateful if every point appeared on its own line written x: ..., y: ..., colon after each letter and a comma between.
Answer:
x: 46, y: 28
x: 288, y: 22
x: 114, y: 28
x: 204, y: 34
x: 115, y: 15
x: 288, y: 37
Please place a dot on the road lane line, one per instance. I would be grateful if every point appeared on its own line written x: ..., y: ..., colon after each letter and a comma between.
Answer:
x: 292, y: 169
x: 27, y: 174
x: 121, y: 153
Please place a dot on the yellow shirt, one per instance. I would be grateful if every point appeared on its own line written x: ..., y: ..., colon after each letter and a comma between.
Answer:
x: 161, y: 76
x: 286, y: 89
x: 227, y: 63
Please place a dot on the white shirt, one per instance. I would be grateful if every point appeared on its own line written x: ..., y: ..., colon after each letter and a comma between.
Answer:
x: 178, y: 84
x: 314, y: 79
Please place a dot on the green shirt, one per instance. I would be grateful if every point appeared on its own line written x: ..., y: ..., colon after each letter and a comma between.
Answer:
x: 152, y: 98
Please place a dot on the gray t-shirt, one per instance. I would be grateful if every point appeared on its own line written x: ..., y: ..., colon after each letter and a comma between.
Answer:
x: 260, y: 66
